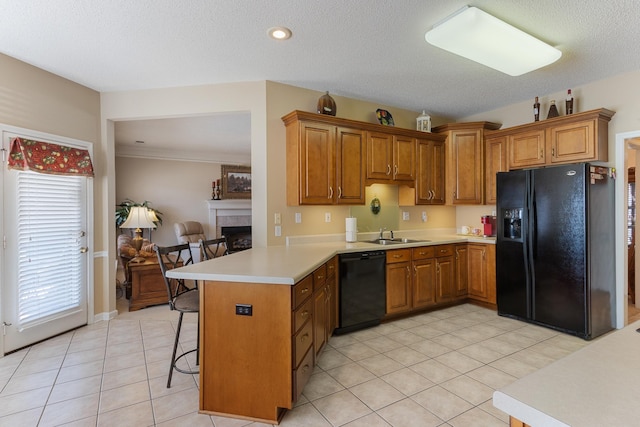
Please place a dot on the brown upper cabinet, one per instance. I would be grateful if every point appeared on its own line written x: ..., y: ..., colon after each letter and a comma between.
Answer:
x: 330, y: 160
x: 495, y: 161
x: 465, y: 171
x: 390, y: 158
x: 325, y: 161
x: 579, y: 137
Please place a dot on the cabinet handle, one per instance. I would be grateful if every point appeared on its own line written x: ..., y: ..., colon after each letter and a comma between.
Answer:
x: 330, y: 193
x: 304, y: 290
x: 422, y: 253
x: 304, y: 314
x: 395, y: 170
x: 483, y: 254
x: 432, y: 194
x: 339, y: 192
x: 320, y: 277
x: 304, y: 337
x: 397, y: 256
x: 305, y: 368
x: 388, y: 169
x: 553, y: 152
x: 442, y: 251
x: 541, y: 153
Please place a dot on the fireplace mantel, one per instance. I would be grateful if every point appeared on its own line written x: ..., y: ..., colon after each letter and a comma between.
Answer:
x: 238, y: 212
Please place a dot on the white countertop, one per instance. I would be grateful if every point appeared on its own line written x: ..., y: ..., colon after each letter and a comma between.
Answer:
x: 597, y: 386
x: 289, y: 264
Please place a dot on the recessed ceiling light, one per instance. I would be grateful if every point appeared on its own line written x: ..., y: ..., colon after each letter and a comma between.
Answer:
x: 279, y: 33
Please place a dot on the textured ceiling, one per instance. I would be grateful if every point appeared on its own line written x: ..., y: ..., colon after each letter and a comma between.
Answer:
x: 372, y: 50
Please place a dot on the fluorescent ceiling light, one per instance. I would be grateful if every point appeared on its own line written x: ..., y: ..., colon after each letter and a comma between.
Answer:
x: 483, y: 38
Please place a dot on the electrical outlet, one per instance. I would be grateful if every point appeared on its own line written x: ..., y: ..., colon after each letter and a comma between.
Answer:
x: 277, y: 218
x: 298, y: 218
x: 493, y: 213
x: 278, y: 230
x: 424, y: 216
x: 244, y: 310
x: 405, y: 216
x: 327, y: 217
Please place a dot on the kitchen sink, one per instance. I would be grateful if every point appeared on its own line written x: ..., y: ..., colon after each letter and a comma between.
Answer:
x: 396, y: 241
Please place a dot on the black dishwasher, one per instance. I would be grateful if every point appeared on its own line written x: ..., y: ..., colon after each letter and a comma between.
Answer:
x: 363, y: 295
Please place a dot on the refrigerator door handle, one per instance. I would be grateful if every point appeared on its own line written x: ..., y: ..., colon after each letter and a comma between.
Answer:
x: 528, y: 241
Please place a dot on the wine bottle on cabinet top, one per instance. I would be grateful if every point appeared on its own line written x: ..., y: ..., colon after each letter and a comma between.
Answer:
x: 553, y: 110
x: 536, y: 110
x: 569, y: 102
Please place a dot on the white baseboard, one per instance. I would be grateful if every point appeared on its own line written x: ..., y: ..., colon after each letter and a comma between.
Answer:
x: 105, y: 316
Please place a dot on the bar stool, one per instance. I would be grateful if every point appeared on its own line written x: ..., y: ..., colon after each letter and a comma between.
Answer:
x: 214, y: 248
x: 181, y: 298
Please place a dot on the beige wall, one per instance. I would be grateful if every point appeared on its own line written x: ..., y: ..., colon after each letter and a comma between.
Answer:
x: 178, y: 189
x: 37, y: 100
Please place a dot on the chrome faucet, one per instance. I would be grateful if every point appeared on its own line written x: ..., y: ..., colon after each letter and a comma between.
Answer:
x: 382, y: 230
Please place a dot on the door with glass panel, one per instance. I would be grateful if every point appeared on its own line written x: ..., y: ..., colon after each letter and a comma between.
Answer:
x: 45, y: 257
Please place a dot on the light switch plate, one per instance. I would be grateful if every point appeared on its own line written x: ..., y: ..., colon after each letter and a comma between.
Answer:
x: 424, y: 216
x: 298, y: 217
x: 277, y: 218
x: 405, y: 216
x: 278, y: 230
x: 327, y: 217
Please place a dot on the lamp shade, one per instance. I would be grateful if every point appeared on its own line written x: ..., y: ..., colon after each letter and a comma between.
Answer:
x: 483, y: 38
x: 138, y: 218
x: 152, y: 215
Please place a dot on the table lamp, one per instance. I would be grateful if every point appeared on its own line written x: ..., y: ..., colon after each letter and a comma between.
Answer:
x: 138, y: 218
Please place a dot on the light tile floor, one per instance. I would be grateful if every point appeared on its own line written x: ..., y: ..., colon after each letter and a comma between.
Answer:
x: 433, y: 369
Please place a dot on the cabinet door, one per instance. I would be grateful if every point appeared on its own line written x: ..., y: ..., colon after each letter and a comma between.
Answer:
x: 527, y: 149
x: 496, y: 150
x: 319, y: 319
x: 574, y: 142
x: 445, y: 278
x: 398, y: 287
x: 462, y: 270
x: 478, y: 271
x: 430, y: 172
x: 379, y: 156
x: 317, y: 158
x: 404, y: 158
x: 350, y: 155
x: 332, y: 301
x: 424, y: 283
x: 467, y: 161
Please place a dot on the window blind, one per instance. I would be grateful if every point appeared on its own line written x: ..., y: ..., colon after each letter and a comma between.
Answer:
x: 50, y: 262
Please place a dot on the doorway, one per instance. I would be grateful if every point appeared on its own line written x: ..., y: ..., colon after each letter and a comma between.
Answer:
x: 47, y: 277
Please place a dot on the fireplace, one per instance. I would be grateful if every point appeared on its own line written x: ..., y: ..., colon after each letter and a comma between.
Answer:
x: 238, y: 237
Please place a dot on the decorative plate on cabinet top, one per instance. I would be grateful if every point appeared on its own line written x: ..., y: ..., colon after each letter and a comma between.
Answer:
x: 384, y: 117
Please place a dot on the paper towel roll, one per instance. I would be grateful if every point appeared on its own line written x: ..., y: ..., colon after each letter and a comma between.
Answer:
x: 351, y: 225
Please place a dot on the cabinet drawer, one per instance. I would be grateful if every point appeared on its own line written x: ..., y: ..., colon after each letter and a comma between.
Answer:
x: 319, y: 276
x: 443, y: 250
x: 398, y: 255
x: 332, y: 266
x: 423, y: 252
x: 301, y: 315
x: 302, y: 290
x: 301, y: 375
x: 302, y: 341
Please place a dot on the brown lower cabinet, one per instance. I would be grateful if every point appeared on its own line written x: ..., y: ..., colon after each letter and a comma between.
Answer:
x: 428, y: 276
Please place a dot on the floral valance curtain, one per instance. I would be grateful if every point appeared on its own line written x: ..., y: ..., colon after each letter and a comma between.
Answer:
x: 46, y: 157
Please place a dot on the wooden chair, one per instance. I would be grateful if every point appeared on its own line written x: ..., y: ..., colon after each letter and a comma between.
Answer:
x: 182, y: 298
x: 214, y: 248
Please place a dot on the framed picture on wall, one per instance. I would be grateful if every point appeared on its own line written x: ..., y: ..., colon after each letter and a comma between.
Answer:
x: 236, y: 182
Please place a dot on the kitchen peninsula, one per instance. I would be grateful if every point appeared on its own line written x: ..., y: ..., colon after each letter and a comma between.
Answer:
x: 258, y: 324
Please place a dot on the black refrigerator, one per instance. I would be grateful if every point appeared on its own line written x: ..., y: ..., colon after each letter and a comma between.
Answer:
x: 555, y: 255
